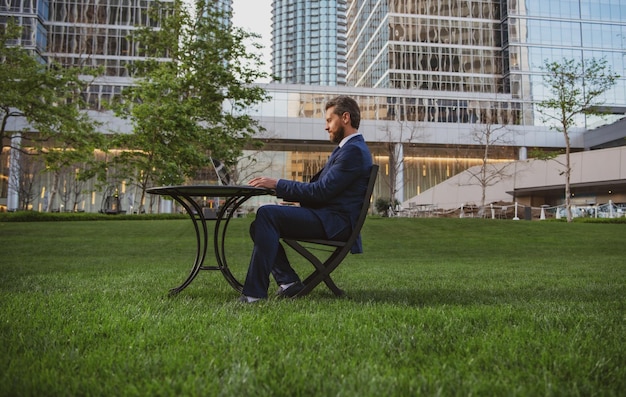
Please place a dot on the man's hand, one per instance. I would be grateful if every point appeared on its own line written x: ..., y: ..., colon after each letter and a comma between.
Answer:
x: 264, y: 182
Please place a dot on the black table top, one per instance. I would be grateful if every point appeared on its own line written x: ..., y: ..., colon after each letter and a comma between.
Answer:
x: 210, y: 190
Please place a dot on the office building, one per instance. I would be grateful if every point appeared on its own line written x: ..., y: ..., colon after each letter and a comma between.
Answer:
x: 478, y: 63
x: 32, y: 17
x: 489, y: 53
x: 309, y: 41
x: 429, y: 76
x: 84, y: 33
x: 97, y: 34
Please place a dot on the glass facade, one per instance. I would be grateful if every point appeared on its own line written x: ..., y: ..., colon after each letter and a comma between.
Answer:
x: 440, y: 68
x: 424, y: 167
x: 429, y: 45
x: 539, y: 30
x: 309, y: 41
x: 485, y: 50
x: 431, y: 152
x: 89, y: 33
x: 92, y: 33
x: 397, y: 105
x: 32, y: 16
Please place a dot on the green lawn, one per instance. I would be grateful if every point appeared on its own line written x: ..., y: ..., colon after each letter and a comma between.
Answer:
x: 450, y: 307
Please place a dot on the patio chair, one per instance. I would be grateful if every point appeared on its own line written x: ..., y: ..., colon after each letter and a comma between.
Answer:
x: 338, y: 249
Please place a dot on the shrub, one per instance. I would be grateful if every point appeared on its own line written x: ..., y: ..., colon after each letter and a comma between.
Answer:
x: 382, y: 206
x: 34, y: 216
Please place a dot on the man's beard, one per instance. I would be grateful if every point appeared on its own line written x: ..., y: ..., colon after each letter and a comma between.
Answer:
x: 339, y: 135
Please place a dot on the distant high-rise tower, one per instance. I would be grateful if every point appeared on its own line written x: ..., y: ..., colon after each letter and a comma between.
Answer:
x: 223, y: 6
x: 309, y: 41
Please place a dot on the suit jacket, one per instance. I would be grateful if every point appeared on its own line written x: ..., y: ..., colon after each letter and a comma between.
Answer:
x: 336, y: 192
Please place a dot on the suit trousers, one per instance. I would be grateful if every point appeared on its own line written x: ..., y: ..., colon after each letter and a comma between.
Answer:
x: 272, y: 223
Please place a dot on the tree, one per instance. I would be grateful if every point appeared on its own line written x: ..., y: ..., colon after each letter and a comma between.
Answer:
x: 576, y: 89
x: 489, y: 136
x: 188, y: 104
x: 72, y: 183
x: 23, y: 174
x: 407, y: 131
x: 256, y: 161
x: 48, y: 98
x: 73, y: 147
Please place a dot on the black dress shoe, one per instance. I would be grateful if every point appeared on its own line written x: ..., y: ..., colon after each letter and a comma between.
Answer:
x: 290, y: 291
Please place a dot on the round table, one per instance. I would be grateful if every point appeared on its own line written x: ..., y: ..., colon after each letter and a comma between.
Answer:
x: 235, y: 196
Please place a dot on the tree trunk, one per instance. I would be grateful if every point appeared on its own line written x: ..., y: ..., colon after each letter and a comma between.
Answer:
x: 393, y: 173
x: 483, y: 177
x: 142, y: 207
x: 53, y: 190
x: 568, y: 172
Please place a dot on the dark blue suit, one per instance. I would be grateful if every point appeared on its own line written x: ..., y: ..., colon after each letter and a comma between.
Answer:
x: 329, y: 207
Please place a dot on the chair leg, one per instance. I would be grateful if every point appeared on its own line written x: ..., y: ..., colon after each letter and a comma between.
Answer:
x: 314, y: 279
x: 321, y: 272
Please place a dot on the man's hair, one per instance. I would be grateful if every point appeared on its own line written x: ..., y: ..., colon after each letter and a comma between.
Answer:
x: 344, y: 104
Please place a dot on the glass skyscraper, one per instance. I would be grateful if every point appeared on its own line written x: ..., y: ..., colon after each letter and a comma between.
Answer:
x: 88, y: 33
x: 309, y: 41
x: 31, y: 16
x: 539, y: 30
x: 98, y: 34
x: 487, y: 52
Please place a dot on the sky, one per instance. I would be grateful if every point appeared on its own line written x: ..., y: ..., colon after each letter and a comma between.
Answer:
x: 256, y: 16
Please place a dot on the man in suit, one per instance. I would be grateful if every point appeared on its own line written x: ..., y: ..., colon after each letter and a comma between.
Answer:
x: 329, y: 205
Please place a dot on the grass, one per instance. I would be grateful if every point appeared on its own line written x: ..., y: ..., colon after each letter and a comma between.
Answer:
x: 450, y: 307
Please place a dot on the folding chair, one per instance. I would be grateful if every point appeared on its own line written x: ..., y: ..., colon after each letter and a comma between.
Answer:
x: 338, y: 249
